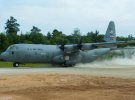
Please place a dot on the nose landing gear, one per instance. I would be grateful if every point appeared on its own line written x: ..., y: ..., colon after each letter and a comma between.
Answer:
x: 15, y: 64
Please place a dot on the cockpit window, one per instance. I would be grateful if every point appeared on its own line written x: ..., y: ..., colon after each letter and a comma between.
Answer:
x: 13, y: 47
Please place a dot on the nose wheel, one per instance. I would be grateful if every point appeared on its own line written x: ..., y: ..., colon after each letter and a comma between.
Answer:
x: 15, y: 64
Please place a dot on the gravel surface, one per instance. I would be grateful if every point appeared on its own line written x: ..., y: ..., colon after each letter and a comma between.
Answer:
x: 88, y: 82
x: 65, y: 87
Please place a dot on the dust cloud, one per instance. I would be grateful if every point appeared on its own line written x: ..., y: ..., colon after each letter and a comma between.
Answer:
x: 116, y: 58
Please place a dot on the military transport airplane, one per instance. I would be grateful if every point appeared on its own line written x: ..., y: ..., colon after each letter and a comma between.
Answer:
x: 66, y: 55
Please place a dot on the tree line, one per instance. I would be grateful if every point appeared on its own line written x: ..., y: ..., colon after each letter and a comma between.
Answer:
x: 35, y: 36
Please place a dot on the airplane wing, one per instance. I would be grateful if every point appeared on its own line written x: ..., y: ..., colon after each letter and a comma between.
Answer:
x: 68, y: 49
x: 112, y: 45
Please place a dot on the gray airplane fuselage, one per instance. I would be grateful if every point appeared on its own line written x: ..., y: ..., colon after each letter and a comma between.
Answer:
x: 36, y: 53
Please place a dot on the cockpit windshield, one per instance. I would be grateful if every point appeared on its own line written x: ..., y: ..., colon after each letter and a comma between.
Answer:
x: 12, y: 47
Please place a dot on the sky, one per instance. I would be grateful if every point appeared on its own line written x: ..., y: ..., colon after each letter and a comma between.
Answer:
x: 66, y: 15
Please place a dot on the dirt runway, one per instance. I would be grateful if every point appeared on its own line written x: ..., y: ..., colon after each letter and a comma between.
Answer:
x: 65, y: 87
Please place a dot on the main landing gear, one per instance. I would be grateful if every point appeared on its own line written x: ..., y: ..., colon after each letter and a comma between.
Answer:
x: 15, y: 64
x: 69, y: 65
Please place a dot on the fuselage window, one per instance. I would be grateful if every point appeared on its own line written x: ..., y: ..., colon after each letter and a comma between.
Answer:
x: 35, y: 53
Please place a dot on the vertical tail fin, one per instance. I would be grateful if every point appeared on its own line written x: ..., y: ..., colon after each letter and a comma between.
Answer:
x: 110, y: 35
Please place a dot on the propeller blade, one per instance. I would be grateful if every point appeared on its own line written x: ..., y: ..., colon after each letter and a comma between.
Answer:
x: 62, y: 47
x: 80, y: 44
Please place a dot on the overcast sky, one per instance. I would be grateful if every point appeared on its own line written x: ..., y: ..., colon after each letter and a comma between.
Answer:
x: 65, y: 15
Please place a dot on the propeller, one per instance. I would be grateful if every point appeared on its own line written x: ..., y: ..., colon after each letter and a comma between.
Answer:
x: 62, y: 47
x: 79, y: 45
x: 73, y: 48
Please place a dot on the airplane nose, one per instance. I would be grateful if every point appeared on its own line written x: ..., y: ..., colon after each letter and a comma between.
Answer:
x: 3, y: 56
x: 0, y: 57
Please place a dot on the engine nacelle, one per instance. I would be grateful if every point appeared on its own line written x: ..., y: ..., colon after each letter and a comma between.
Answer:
x: 70, y: 48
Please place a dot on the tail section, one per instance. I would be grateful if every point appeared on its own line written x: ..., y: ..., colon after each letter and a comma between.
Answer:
x: 110, y: 35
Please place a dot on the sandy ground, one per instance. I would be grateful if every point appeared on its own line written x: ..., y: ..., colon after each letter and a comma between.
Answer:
x: 65, y: 87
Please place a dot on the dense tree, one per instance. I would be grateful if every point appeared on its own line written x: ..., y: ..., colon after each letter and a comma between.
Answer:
x: 58, y: 37
x: 35, y: 30
x: 76, y: 32
x: 12, y: 27
x: 49, y: 36
x: 4, y: 42
x: 76, y: 36
x: 56, y: 33
x: 95, y: 37
x: 25, y: 38
x: 37, y: 37
x: 130, y: 37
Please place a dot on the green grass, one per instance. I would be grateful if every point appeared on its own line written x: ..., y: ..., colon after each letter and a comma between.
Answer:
x: 10, y: 64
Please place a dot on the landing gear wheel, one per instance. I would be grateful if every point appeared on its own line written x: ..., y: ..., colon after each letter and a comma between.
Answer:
x: 15, y: 64
x: 68, y: 65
